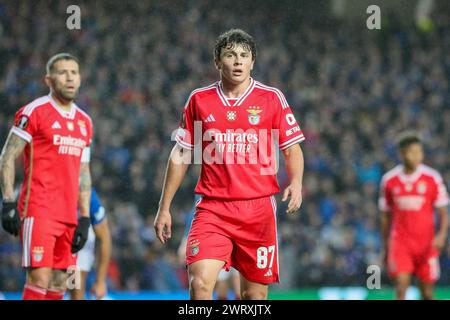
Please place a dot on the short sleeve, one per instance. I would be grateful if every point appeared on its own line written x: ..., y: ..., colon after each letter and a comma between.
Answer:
x: 385, y: 198
x: 289, y: 129
x: 25, y: 124
x: 441, y: 199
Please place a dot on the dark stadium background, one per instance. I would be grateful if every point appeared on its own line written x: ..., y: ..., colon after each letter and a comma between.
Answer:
x: 352, y: 90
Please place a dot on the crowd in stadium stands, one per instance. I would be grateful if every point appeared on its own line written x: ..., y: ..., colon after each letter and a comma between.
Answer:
x: 352, y: 91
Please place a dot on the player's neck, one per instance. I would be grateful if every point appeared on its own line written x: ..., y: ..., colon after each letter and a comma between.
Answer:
x: 409, y: 170
x: 62, y: 103
x: 232, y: 90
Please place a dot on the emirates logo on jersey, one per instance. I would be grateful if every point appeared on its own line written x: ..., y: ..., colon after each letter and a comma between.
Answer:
x: 231, y: 115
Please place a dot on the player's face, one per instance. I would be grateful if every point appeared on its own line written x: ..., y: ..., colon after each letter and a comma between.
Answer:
x: 412, y: 155
x: 64, y: 79
x: 235, y: 63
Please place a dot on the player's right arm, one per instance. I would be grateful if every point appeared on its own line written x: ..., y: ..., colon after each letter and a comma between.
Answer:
x: 179, y: 160
x: 385, y: 205
x: 12, y: 149
x: 176, y: 169
x: 386, y: 221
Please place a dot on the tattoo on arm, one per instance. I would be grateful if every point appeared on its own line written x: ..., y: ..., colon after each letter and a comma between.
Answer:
x: 84, y: 197
x: 13, y: 148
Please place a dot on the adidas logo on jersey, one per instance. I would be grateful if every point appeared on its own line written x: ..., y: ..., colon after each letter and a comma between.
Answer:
x: 56, y: 125
x: 268, y: 273
x: 210, y: 118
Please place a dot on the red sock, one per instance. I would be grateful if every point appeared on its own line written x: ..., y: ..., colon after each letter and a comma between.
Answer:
x: 54, y: 294
x: 32, y: 292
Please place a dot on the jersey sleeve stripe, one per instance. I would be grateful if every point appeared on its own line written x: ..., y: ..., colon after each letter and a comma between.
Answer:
x: 299, y: 139
x: 441, y: 202
x: 34, y: 104
x: 382, y: 204
x: 280, y: 95
x: 183, y: 144
x: 290, y: 140
x: 197, y: 91
x: 22, y: 134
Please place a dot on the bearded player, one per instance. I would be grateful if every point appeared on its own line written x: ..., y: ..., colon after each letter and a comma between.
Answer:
x: 54, y: 136
x: 410, y: 194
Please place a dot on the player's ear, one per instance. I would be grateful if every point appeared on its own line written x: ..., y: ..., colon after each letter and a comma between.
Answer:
x: 218, y: 64
x: 47, y: 80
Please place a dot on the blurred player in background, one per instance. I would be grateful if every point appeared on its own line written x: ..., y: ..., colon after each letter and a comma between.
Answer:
x: 235, y: 220
x: 54, y: 135
x: 225, y: 279
x: 99, y: 231
x: 409, y: 193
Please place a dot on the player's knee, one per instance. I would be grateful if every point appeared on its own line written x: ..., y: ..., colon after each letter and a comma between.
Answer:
x: 254, y: 294
x: 39, y: 279
x: 199, y: 286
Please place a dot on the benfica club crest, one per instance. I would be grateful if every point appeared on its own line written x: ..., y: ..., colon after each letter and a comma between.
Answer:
x: 194, y: 247
x: 82, y: 126
x: 38, y: 253
x: 231, y: 115
x: 421, y: 187
x: 254, y: 117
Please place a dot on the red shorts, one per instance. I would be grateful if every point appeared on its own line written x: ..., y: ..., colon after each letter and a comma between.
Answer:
x: 47, y: 243
x: 422, y: 262
x: 241, y: 233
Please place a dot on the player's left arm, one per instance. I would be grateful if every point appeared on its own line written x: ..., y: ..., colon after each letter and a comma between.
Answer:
x: 441, y: 202
x: 294, y: 167
x: 85, y: 185
x: 84, y: 200
x: 103, y: 235
x: 441, y: 235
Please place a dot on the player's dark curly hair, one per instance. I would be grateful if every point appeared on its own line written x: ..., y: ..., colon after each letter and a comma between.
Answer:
x: 407, y: 138
x: 232, y: 37
x: 60, y: 56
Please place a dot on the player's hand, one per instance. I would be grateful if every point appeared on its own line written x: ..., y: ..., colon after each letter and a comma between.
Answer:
x: 294, y: 191
x: 10, y: 218
x: 81, y: 234
x: 163, y: 225
x: 99, y: 290
x: 439, y: 241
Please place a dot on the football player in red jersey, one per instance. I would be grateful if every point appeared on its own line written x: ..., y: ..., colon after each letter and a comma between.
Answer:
x: 240, y: 121
x: 54, y: 136
x: 409, y: 195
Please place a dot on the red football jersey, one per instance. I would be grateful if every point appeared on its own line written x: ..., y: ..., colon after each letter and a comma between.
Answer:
x: 234, y: 139
x: 411, y: 200
x: 57, y: 142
